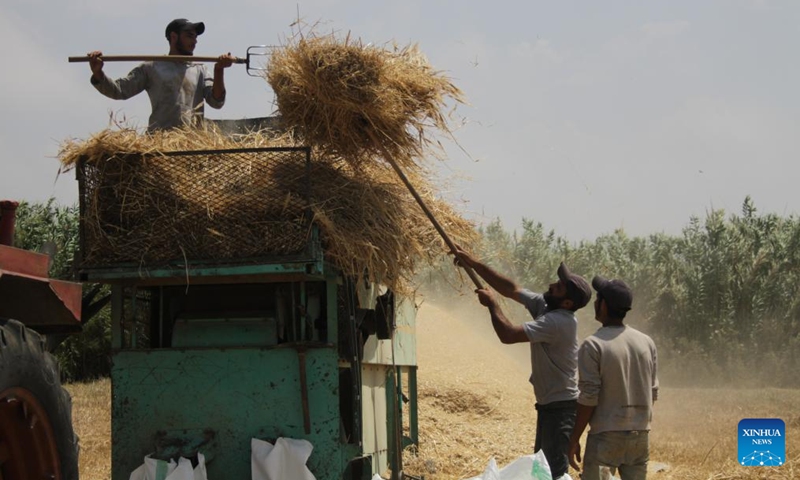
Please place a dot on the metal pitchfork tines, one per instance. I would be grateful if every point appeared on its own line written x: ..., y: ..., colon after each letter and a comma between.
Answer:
x: 252, y: 51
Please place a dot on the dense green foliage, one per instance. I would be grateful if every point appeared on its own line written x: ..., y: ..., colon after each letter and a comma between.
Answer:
x: 40, y: 224
x: 53, y: 229
x: 722, y: 299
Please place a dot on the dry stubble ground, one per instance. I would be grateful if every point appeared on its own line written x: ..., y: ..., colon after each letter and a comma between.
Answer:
x: 475, y: 403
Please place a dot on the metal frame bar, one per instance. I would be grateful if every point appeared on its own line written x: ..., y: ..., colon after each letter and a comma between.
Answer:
x: 235, y: 150
x: 116, y: 317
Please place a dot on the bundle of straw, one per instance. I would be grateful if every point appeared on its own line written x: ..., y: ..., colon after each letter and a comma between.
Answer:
x: 148, y: 209
x: 339, y: 95
x: 125, y: 139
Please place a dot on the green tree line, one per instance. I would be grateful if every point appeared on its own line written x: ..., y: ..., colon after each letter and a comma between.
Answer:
x: 721, y: 298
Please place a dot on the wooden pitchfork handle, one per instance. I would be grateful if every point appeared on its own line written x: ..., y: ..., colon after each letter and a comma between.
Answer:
x: 154, y: 58
x: 388, y: 157
x: 252, y: 51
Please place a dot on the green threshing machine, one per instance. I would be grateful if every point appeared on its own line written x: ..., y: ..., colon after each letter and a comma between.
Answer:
x: 209, y: 352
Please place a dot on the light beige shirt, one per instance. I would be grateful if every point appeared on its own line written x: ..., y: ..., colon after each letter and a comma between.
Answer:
x: 617, y: 375
x: 177, y: 91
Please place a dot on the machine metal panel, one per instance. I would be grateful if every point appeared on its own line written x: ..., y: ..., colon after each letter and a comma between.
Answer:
x: 177, y: 401
x: 374, y: 415
x: 234, y: 331
x: 27, y: 293
x: 402, y: 348
x: 298, y: 267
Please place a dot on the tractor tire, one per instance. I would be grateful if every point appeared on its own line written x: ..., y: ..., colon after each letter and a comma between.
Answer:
x: 36, y: 435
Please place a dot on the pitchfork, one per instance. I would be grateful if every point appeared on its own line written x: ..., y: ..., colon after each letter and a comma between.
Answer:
x: 252, y: 51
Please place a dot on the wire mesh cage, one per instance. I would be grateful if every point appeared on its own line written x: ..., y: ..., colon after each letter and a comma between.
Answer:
x: 151, y: 209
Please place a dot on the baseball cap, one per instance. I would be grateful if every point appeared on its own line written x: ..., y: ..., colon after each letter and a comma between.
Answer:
x: 578, y: 289
x: 616, y: 293
x: 181, y: 24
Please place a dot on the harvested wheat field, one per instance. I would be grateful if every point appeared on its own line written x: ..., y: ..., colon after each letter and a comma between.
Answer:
x: 91, y: 418
x: 475, y: 403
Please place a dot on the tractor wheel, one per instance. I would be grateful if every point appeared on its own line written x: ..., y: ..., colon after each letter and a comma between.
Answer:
x: 36, y: 436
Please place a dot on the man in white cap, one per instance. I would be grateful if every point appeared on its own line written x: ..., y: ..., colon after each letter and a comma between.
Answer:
x: 552, y: 335
x: 618, y: 385
x: 177, y: 90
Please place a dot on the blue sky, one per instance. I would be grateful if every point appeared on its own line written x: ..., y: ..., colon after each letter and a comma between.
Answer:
x: 586, y: 116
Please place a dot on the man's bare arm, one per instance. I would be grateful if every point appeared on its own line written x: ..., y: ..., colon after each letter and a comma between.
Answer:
x: 505, y: 330
x: 585, y: 413
x: 218, y: 89
x: 500, y: 283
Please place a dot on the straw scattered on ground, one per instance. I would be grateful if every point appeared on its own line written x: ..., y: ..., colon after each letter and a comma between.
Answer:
x: 91, y: 419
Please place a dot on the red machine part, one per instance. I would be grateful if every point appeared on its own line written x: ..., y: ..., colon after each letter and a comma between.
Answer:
x: 27, y: 293
x: 36, y: 435
x: 8, y: 215
x: 23, y: 419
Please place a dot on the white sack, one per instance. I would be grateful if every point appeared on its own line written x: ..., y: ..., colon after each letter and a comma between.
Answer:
x: 286, y: 459
x: 153, y: 469
x: 520, y: 469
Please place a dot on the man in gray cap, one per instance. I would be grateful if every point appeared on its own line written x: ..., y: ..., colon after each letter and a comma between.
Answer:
x: 618, y: 385
x: 552, y: 335
x: 177, y: 90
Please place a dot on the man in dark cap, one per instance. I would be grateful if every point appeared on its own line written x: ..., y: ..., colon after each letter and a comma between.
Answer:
x: 552, y: 335
x: 177, y: 90
x: 618, y: 385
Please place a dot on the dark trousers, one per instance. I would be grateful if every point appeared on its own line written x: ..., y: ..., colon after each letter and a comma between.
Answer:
x: 553, y: 429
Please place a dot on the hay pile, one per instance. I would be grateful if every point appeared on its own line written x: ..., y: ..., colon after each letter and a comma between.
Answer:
x: 150, y: 209
x: 123, y: 140
x: 353, y: 104
x: 339, y: 95
x: 365, y: 103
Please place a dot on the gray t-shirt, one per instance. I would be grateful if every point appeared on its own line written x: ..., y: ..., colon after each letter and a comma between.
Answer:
x: 618, y: 377
x: 554, y: 350
x: 177, y: 91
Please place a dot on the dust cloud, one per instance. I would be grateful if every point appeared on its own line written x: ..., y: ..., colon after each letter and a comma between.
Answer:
x: 476, y: 403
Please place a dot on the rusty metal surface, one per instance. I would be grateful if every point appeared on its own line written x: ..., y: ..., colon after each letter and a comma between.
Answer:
x: 27, y: 294
x: 27, y: 440
x: 8, y: 210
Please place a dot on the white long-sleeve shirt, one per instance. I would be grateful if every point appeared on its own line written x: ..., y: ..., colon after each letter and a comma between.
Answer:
x: 617, y: 375
x: 177, y: 91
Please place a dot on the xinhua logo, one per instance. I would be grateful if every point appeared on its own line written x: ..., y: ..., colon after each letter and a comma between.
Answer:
x: 762, y: 442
